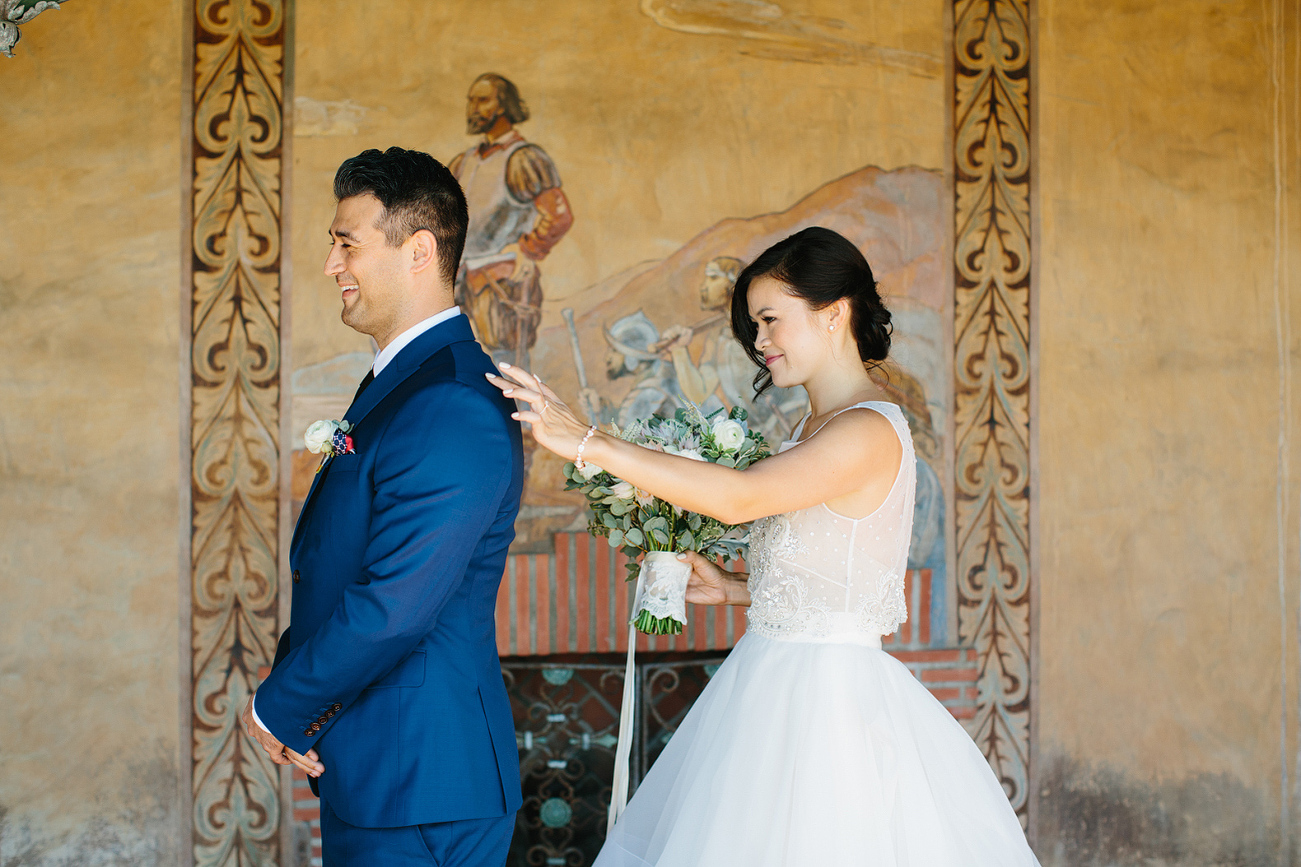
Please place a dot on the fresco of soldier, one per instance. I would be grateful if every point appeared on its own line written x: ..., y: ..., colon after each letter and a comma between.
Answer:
x: 723, y: 375
x: 634, y: 349
x: 518, y: 212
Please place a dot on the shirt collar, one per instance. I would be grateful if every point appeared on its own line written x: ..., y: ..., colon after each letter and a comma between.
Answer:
x: 390, y: 352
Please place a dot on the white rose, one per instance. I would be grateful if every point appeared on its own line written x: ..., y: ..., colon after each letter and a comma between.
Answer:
x: 729, y: 434
x: 624, y: 491
x: 590, y: 471
x: 685, y: 453
x: 318, y: 435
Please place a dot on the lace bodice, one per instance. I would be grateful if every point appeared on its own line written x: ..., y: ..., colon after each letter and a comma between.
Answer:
x: 819, y: 576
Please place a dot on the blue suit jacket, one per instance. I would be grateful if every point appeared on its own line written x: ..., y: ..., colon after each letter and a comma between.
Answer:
x: 389, y: 668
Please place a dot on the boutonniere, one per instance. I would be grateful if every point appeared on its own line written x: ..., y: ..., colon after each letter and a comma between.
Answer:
x: 329, y: 438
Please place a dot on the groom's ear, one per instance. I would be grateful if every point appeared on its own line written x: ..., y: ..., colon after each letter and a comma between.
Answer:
x: 423, y: 249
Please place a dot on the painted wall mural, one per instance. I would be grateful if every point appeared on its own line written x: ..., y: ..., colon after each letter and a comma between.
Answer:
x: 637, y: 321
x: 655, y: 335
x: 659, y: 336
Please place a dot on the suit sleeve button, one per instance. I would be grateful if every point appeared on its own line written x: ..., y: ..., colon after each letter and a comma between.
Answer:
x: 308, y: 732
x: 297, y: 576
x: 321, y: 720
x: 316, y: 727
x: 338, y: 706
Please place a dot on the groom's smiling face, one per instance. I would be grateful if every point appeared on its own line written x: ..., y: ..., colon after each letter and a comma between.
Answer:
x: 373, y: 284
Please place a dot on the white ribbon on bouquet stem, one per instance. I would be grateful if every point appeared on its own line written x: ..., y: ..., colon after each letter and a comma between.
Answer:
x: 627, y: 708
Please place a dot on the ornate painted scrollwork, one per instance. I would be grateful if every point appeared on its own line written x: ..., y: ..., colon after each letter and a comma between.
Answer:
x: 235, y: 417
x: 17, y: 12
x: 992, y: 268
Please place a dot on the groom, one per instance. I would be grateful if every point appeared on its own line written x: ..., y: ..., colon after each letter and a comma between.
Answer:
x: 386, y: 686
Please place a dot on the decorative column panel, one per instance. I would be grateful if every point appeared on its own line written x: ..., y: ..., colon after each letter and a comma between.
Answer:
x: 992, y: 271
x: 235, y: 353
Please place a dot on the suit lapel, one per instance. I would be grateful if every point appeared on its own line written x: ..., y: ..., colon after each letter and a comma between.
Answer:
x: 407, y: 362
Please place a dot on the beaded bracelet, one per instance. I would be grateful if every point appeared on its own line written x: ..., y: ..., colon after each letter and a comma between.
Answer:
x: 578, y: 459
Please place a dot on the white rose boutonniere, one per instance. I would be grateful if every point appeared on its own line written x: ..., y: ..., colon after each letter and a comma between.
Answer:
x: 329, y: 437
x: 318, y: 434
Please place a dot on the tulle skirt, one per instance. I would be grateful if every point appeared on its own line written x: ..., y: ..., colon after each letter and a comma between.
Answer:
x: 817, y: 755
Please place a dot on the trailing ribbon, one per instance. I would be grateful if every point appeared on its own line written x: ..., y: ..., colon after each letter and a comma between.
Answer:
x: 627, y: 709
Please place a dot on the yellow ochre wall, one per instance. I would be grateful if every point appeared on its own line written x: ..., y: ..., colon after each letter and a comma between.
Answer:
x: 90, y: 245
x: 1159, y: 628
x: 1158, y: 705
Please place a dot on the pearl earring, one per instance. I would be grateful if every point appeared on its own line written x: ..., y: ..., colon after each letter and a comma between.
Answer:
x: 831, y: 328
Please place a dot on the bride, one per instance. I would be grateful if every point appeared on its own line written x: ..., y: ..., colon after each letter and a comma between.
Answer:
x: 810, y: 746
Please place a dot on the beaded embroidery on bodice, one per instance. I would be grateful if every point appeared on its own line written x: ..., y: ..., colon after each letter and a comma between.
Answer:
x: 817, y: 575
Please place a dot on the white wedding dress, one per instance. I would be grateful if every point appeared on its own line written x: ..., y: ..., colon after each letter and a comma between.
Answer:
x: 812, y: 747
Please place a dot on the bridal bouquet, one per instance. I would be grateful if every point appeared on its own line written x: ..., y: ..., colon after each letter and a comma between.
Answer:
x: 638, y: 523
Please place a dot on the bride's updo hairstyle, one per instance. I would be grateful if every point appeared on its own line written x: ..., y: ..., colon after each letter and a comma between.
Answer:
x: 820, y: 267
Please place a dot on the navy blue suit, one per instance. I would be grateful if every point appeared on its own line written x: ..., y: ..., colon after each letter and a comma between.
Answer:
x: 389, y: 668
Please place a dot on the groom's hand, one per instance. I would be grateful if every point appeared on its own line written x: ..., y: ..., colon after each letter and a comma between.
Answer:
x: 279, y: 753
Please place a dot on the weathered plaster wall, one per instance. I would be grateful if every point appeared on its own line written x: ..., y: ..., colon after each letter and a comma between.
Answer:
x: 1159, y: 700
x: 90, y: 253
x: 1159, y: 707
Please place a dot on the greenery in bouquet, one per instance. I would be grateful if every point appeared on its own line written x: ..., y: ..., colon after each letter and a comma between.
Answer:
x: 638, y: 523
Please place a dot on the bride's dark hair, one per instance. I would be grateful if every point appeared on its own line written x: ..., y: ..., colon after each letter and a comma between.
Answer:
x: 821, y: 267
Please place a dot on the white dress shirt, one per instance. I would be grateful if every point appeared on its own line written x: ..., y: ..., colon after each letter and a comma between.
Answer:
x: 382, y: 359
x: 388, y: 353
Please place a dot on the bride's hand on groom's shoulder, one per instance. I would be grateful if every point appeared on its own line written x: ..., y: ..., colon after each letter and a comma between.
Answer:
x: 554, y: 424
x: 710, y: 584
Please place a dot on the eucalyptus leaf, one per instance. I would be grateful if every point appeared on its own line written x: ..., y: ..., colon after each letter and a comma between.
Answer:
x: 658, y: 523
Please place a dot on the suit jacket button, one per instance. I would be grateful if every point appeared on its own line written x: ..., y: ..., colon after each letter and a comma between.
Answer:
x: 338, y: 706
x: 297, y: 576
x: 329, y: 713
x: 321, y: 720
x: 316, y: 727
x: 308, y: 732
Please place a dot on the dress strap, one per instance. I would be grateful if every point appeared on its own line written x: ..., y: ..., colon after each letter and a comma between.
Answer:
x: 799, y: 428
x: 867, y: 404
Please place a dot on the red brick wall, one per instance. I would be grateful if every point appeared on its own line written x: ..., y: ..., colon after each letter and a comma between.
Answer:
x: 576, y: 601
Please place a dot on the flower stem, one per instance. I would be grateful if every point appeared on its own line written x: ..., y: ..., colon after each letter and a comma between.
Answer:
x: 649, y: 625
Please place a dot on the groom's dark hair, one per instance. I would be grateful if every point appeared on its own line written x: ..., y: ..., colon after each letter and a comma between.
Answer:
x: 417, y: 192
